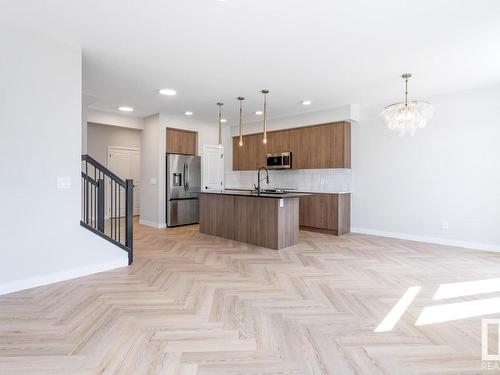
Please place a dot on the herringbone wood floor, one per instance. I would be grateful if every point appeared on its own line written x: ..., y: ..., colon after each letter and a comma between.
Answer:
x: 195, y: 304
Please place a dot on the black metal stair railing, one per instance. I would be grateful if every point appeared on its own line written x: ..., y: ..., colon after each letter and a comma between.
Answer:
x: 107, y: 205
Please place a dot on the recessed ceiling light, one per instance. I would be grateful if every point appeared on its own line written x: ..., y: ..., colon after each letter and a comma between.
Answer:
x: 306, y: 102
x: 223, y: 120
x: 259, y: 113
x: 126, y: 109
x: 168, y: 92
x: 188, y: 113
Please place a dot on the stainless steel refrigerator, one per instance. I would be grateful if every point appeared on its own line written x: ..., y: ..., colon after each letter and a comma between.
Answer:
x: 183, y: 188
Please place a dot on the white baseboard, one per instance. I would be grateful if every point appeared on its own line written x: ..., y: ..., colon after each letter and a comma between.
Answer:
x: 152, y: 224
x: 436, y: 240
x: 15, y: 286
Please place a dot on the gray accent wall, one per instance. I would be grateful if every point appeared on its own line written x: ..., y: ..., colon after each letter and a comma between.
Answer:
x: 99, y: 137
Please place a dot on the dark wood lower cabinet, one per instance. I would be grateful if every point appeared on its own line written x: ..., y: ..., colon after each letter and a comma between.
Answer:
x: 263, y: 222
x: 326, y: 212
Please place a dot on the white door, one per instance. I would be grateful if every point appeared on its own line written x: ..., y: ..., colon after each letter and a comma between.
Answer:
x: 213, y: 168
x: 125, y: 163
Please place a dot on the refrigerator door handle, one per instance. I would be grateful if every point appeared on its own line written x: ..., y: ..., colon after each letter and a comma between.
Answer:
x: 184, y: 172
x: 187, y: 177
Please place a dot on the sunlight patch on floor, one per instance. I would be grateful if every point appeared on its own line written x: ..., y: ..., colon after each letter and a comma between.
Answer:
x: 467, y: 288
x: 398, y: 310
x: 459, y: 310
x: 448, y: 311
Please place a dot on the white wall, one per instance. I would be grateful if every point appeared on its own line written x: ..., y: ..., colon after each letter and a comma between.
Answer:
x: 41, y: 124
x: 84, y: 125
x: 100, y: 137
x: 449, y: 171
x: 150, y: 171
x: 114, y: 119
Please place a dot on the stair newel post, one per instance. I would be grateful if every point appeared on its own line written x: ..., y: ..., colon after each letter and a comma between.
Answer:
x: 100, y: 205
x: 129, y: 207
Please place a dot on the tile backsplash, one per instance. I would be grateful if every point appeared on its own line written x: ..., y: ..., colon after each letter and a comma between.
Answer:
x: 313, y: 180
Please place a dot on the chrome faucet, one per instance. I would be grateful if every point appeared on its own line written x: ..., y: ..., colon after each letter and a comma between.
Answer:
x: 259, y: 179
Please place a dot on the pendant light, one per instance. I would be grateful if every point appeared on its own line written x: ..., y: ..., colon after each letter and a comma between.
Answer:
x: 407, y: 117
x: 265, y: 92
x: 241, y: 98
x: 220, y: 123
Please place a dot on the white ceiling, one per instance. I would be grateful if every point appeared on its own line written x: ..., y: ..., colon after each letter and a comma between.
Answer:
x: 331, y: 52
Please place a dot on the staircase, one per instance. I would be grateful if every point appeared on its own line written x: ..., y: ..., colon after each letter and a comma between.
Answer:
x: 107, y: 205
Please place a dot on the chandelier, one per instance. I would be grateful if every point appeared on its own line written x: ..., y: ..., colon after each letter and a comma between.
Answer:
x: 407, y: 117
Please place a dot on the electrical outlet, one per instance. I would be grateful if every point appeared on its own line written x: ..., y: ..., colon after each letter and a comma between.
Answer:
x: 445, y: 225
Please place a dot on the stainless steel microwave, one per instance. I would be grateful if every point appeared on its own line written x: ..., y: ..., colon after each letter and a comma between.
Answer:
x: 282, y: 160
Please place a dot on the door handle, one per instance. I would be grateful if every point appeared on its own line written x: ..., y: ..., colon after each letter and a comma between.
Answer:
x: 187, y: 177
x: 184, y: 182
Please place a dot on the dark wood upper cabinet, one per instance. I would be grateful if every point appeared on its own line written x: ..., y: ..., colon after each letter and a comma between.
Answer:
x: 181, y: 142
x: 312, y: 147
x: 253, y: 147
x: 237, y: 155
x: 278, y: 141
x: 250, y: 156
x: 262, y: 151
x: 341, y: 142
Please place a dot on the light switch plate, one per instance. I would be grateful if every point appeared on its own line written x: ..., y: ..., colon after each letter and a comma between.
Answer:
x: 153, y: 181
x: 63, y: 183
x: 282, y: 203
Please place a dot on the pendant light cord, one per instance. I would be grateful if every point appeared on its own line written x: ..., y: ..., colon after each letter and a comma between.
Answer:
x: 265, y: 92
x: 220, y: 123
x: 406, y: 92
x: 241, y: 120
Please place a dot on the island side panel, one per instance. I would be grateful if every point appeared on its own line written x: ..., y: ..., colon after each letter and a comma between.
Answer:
x: 217, y: 215
x: 288, y: 223
x: 208, y: 214
x: 226, y: 218
x: 256, y: 221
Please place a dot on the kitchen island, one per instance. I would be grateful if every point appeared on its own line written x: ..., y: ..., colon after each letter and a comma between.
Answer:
x: 268, y: 220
